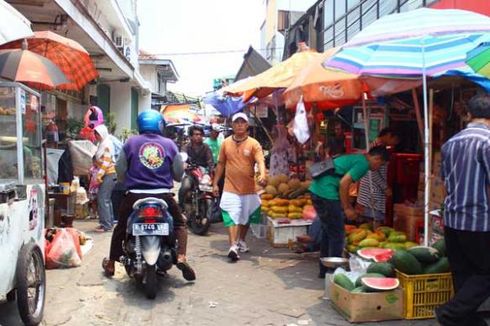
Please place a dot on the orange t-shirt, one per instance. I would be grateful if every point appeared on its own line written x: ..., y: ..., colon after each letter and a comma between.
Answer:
x: 239, y: 160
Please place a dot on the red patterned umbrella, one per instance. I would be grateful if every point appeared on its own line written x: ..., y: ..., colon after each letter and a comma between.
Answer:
x: 67, y: 54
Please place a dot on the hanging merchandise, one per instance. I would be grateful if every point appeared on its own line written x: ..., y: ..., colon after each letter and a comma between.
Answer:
x: 300, y: 126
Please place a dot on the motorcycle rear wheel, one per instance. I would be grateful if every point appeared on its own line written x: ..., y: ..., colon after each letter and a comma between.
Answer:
x: 150, y: 284
x: 204, y: 211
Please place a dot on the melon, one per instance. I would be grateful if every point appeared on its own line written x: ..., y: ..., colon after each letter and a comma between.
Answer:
x: 380, y: 284
x: 282, y: 178
x: 371, y: 253
x: 343, y: 281
x: 270, y: 189
x: 385, y: 269
x: 440, y: 266
x: 283, y: 188
x: 406, y: 263
x: 440, y: 245
x: 425, y: 255
x: 274, y: 181
x: 294, y: 183
x: 359, y: 279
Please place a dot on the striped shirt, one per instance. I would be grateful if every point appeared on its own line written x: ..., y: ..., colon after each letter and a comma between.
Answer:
x: 374, y: 197
x: 466, y: 174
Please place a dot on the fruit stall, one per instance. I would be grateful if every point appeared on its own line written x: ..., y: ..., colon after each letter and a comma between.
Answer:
x: 287, y: 208
x: 390, y: 277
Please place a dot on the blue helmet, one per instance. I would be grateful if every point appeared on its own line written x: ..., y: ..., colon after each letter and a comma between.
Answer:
x: 150, y: 121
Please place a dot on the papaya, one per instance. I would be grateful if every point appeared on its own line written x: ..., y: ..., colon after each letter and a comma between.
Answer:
x: 294, y: 209
x: 265, y: 203
x: 266, y: 196
x: 394, y: 246
x: 357, y: 236
x: 397, y: 237
x: 279, y: 209
x: 298, y: 202
x: 377, y: 236
x: 349, y: 228
x: 295, y: 215
x: 386, y: 230
x: 366, y: 226
x: 410, y: 244
x: 368, y: 243
x: 279, y: 202
x: 352, y: 248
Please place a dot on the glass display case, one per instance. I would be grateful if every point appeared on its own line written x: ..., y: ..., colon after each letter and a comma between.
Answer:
x: 20, y: 134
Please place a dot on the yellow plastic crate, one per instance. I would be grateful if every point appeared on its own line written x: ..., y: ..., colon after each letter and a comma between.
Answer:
x: 424, y: 293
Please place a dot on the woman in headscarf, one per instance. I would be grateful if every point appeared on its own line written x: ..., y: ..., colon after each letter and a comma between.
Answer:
x: 279, y: 162
x: 106, y: 176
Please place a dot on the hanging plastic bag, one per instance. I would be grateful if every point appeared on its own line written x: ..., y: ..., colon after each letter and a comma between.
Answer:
x: 300, y: 127
x: 63, y: 248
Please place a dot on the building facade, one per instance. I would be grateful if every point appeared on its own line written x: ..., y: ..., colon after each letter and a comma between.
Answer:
x: 108, y: 30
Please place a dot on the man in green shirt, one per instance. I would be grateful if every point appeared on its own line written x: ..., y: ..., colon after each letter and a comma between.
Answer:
x: 213, y: 141
x: 330, y: 196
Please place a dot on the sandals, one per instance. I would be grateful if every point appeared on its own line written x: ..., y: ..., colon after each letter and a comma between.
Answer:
x: 108, y: 267
x: 187, y: 271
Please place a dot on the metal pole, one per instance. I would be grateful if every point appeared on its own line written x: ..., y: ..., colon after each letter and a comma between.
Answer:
x: 426, y: 151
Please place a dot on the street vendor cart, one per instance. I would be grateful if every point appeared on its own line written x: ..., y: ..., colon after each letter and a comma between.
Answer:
x: 22, y: 201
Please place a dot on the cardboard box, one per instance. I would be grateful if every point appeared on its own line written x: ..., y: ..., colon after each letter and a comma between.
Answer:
x: 365, y: 307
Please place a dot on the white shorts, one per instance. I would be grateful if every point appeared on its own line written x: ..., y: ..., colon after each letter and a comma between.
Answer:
x: 240, y: 209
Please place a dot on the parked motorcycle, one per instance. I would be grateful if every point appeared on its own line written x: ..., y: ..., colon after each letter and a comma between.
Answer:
x: 150, y: 245
x: 200, y: 201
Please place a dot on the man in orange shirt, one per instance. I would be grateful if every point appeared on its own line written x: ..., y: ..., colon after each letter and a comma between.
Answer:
x: 240, y: 203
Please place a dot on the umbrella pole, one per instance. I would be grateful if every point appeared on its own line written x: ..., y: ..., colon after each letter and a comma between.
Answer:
x: 426, y: 153
x: 366, y: 135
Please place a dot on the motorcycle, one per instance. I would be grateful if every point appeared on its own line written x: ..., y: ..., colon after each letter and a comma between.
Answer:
x: 150, y: 245
x: 200, y: 208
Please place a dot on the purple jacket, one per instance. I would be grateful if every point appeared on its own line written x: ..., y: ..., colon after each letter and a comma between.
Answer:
x: 149, y: 162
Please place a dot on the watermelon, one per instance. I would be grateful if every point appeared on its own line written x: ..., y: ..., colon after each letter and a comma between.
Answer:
x: 406, y: 263
x: 343, y: 281
x: 359, y: 279
x: 440, y: 266
x: 425, y: 255
x: 371, y: 253
x: 380, y: 284
x: 360, y: 289
x: 385, y: 269
x: 440, y: 245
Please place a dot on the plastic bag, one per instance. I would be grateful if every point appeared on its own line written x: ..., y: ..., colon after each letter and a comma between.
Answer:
x: 300, y: 126
x: 63, y: 248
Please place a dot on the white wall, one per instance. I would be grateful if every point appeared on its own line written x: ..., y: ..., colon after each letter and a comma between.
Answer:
x: 144, y: 102
x: 295, y: 5
x: 150, y: 75
x: 121, y: 105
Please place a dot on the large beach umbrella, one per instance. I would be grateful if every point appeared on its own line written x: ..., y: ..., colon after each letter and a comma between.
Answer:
x: 419, y: 37
x: 278, y: 76
x: 13, y: 24
x: 67, y: 54
x: 329, y: 88
x: 479, y: 59
x: 30, y: 68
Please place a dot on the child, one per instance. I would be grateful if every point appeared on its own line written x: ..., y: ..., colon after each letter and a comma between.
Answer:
x: 93, y: 188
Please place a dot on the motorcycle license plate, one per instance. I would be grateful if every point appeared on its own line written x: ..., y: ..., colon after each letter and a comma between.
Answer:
x: 150, y: 229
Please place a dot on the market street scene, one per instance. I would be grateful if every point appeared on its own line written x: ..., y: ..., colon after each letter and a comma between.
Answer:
x: 232, y: 162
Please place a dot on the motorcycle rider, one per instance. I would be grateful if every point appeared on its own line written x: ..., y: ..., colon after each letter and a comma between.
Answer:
x: 147, y: 166
x: 200, y: 154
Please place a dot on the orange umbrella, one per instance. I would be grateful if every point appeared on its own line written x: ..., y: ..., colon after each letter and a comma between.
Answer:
x: 67, y: 54
x: 327, y: 88
x: 278, y: 76
x: 30, y: 68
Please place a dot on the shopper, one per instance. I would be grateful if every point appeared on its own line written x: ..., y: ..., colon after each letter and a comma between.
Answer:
x: 213, y: 142
x: 335, y: 145
x: 106, y: 177
x: 240, y: 203
x: 373, y: 187
x: 93, y: 188
x: 330, y: 196
x: 466, y: 174
x: 279, y: 162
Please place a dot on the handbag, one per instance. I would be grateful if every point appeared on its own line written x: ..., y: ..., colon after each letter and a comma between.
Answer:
x: 319, y: 169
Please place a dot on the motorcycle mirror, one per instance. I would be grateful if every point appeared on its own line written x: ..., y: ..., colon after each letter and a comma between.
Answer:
x: 184, y: 156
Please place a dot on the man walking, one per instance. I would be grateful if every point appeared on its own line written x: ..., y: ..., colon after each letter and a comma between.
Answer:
x: 466, y: 175
x: 213, y: 142
x: 240, y: 203
x: 330, y: 196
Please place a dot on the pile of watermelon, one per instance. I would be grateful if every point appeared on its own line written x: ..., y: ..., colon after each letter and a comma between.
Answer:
x: 413, y: 261
x: 383, y: 237
x: 369, y: 282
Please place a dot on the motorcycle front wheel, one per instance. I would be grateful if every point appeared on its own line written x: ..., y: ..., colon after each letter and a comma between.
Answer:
x: 202, y: 220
